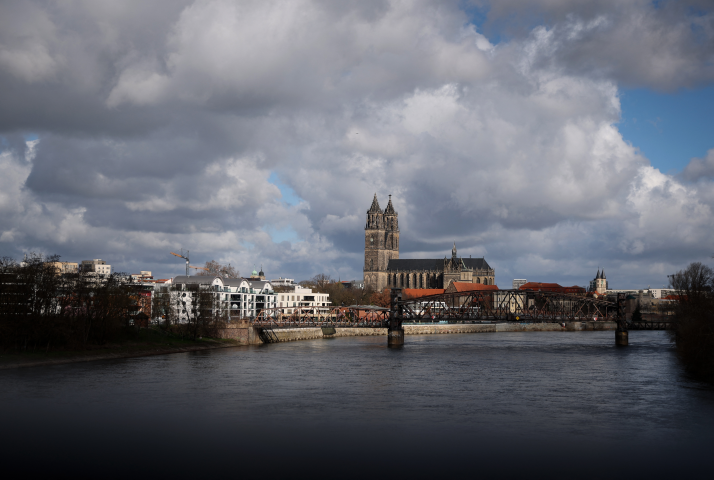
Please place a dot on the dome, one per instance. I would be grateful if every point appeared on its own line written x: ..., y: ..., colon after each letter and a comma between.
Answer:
x: 254, y: 273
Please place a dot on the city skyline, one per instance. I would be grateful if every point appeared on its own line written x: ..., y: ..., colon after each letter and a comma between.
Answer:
x: 554, y: 140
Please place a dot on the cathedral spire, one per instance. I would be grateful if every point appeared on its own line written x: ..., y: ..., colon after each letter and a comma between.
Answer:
x: 453, y: 251
x: 390, y: 208
x: 375, y: 206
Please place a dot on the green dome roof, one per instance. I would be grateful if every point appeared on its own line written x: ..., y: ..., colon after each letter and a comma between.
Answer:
x: 255, y: 273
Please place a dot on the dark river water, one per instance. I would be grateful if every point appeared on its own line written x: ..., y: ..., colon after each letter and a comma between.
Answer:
x: 511, y: 405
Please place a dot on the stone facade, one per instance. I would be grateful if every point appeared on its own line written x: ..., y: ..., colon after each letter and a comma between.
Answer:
x: 381, y: 243
x: 384, y: 269
x: 247, y: 336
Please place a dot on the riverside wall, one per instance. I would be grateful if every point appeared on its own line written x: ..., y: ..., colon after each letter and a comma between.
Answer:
x: 246, y: 335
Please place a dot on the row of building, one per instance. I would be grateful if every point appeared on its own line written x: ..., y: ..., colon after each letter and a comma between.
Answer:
x: 232, y: 298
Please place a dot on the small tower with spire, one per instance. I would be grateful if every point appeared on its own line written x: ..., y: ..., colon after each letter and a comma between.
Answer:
x: 599, y: 283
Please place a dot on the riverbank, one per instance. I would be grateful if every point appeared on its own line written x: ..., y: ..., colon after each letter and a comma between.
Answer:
x: 122, y: 350
x: 294, y: 334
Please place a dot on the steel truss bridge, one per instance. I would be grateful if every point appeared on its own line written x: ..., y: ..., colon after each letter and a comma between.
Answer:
x: 483, y: 306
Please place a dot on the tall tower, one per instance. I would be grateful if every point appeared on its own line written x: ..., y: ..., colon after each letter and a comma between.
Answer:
x: 381, y: 243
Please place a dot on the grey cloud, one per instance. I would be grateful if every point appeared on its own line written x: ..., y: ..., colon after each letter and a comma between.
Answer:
x: 160, y: 124
x: 662, y: 45
x: 700, y: 168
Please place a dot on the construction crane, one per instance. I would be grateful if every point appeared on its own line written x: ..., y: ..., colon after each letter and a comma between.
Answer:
x: 185, y: 257
x: 199, y: 268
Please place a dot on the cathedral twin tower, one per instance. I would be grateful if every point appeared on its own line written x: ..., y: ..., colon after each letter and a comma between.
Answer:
x: 381, y: 243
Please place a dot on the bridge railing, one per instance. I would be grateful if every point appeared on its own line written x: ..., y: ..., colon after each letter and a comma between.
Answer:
x: 489, y: 305
x: 507, y: 305
x: 300, y: 317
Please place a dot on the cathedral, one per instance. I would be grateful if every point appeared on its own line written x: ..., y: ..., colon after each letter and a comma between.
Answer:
x: 384, y: 269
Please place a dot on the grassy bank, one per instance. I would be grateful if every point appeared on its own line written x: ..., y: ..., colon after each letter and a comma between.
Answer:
x: 133, y: 343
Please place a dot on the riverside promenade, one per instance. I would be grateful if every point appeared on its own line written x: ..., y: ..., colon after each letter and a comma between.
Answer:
x: 246, y: 335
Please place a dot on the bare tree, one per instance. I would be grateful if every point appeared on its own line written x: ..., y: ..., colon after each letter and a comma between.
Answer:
x: 694, y: 332
x: 39, y: 306
x: 321, y: 281
x: 213, y: 268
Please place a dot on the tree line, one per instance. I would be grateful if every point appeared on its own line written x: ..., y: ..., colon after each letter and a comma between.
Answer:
x: 40, y: 309
x: 341, y: 295
x: 694, y: 313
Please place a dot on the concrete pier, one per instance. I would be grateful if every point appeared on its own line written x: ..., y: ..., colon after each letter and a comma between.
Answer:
x: 395, y: 336
x: 621, y: 337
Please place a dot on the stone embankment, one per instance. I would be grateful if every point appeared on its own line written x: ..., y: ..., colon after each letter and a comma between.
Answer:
x: 247, y: 335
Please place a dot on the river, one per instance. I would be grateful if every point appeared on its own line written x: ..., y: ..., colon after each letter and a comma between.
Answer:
x: 455, y: 406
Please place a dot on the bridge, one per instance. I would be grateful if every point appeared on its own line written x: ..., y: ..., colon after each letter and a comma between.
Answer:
x: 481, y: 306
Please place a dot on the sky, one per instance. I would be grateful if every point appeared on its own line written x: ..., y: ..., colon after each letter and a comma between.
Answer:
x: 551, y: 137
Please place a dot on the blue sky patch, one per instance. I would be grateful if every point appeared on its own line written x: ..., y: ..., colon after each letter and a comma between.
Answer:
x: 669, y: 128
x: 289, y: 195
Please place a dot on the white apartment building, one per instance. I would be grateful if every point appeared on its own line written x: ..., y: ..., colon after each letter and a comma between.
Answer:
x: 283, y: 282
x: 518, y: 283
x: 97, y: 265
x: 301, y: 297
x: 233, y: 297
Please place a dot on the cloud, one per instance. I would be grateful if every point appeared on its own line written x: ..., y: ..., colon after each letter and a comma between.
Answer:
x: 162, y: 124
x: 700, y: 168
x: 661, y: 45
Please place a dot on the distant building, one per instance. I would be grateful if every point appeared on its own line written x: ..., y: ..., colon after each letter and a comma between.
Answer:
x: 62, y: 268
x: 552, y: 287
x: 519, y: 282
x: 599, y: 283
x: 283, y: 282
x: 384, y: 269
x: 97, y: 265
x: 648, y: 292
x: 142, y: 275
x: 258, y: 275
x: 301, y: 297
x: 352, y: 283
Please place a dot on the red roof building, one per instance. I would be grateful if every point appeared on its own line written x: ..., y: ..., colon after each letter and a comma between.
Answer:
x: 420, y: 292
x: 458, y: 287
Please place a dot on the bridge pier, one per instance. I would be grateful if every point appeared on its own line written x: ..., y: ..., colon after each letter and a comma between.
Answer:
x: 395, y: 332
x: 395, y: 335
x: 621, y: 334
